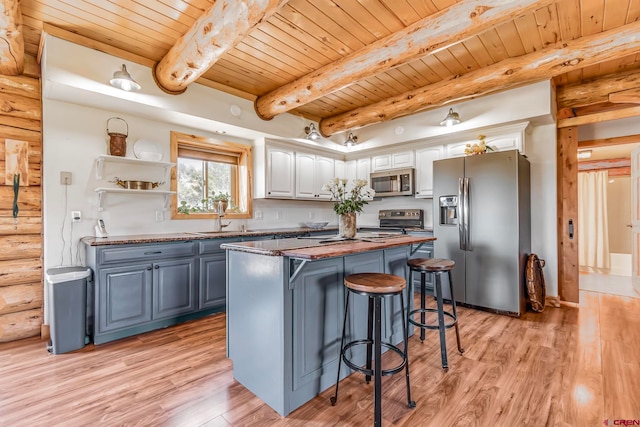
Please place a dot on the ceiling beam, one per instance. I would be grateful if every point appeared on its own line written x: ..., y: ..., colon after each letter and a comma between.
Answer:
x: 596, y: 91
x: 12, y: 46
x: 605, y: 142
x: 601, y: 107
x: 425, y: 37
x: 507, y: 74
x: 624, y: 113
x: 629, y: 95
x: 219, y: 29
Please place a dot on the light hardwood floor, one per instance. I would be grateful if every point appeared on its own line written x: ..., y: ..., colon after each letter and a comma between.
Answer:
x: 567, y: 366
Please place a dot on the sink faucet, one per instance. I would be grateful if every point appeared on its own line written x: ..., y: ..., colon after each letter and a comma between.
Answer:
x: 218, y: 225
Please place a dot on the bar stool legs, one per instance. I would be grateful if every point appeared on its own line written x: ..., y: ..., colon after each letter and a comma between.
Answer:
x: 374, y: 345
x: 437, y: 267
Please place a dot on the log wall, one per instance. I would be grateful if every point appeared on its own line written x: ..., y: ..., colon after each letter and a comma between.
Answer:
x: 21, y: 278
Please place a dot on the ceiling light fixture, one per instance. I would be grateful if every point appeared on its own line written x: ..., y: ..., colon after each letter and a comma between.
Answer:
x: 123, y: 80
x: 312, y: 133
x: 584, y: 154
x: 452, y: 118
x: 351, y: 140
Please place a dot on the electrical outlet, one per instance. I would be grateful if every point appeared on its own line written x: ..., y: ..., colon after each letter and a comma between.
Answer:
x: 257, y: 214
x: 159, y: 216
x: 312, y: 214
x: 65, y: 178
x: 76, y: 216
x: 278, y: 214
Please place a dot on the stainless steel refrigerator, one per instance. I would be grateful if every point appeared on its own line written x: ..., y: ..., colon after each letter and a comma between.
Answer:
x: 482, y: 221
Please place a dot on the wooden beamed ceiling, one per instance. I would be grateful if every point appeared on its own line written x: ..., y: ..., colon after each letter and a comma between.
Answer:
x: 348, y: 63
x: 425, y: 37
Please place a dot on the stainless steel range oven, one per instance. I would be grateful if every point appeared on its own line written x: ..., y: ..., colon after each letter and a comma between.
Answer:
x: 401, y: 218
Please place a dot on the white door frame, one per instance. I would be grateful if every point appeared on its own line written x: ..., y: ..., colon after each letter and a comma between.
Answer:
x: 635, y: 219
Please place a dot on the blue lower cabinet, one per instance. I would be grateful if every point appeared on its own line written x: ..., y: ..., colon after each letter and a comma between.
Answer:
x: 318, y: 304
x: 124, y: 297
x: 174, y: 288
x: 212, y: 289
x: 139, y: 288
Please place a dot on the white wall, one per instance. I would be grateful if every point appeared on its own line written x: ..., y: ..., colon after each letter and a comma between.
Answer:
x: 74, y: 136
x: 541, y: 151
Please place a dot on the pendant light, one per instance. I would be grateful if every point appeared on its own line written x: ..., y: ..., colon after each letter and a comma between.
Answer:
x: 452, y: 118
x: 123, y: 80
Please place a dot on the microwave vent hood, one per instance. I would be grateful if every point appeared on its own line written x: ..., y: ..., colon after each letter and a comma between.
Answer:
x: 395, y: 182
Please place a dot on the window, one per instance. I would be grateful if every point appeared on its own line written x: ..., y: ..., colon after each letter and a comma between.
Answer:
x: 207, y: 171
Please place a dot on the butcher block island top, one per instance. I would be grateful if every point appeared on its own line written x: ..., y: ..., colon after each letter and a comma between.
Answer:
x: 326, y: 246
x: 285, y: 305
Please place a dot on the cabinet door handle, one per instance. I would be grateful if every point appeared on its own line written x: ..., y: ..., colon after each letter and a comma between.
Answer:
x: 149, y: 268
x: 156, y: 267
x: 153, y: 253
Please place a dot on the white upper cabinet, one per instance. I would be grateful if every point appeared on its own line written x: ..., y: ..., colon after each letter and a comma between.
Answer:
x: 312, y: 172
x: 350, y: 170
x: 358, y: 169
x: 424, y: 169
x: 403, y: 159
x: 382, y: 162
x: 340, y: 168
x: 363, y: 169
x: 280, y: 172
x: 325, y: 172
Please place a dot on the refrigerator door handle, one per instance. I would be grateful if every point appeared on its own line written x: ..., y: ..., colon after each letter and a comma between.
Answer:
x: 461, y: 209
x: 465, y: 215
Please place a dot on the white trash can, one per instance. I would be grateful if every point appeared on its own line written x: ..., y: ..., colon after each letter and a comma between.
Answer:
x: 68, y: 308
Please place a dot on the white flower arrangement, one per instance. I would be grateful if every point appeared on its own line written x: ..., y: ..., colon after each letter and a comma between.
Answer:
x: 349, y: 200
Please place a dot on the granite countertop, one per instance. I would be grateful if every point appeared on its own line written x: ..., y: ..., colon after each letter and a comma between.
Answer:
x: 193, y: 235
x: 318, y: 248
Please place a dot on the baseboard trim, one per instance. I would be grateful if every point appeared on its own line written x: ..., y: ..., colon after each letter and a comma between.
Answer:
x: 45, y: 333
x: 552, y: 301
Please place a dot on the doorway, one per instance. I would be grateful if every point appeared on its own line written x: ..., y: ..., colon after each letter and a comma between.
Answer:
x: 604, y: 198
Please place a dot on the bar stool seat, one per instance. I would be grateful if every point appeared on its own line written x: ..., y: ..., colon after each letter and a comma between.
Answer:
x: 375, y: 286
x: 436, y: 266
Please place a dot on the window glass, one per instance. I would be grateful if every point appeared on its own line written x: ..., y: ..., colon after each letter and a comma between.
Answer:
x: 209, y: 171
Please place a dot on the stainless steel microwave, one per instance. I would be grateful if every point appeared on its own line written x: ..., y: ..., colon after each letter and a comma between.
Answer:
x: 398, y: 182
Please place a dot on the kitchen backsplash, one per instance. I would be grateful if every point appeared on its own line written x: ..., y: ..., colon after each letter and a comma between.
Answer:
x: 270, y: 213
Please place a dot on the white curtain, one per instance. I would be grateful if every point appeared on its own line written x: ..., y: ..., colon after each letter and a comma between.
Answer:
x: 593, y: 235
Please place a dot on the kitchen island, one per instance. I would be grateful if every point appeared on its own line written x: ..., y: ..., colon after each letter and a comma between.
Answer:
x: 285, y: 303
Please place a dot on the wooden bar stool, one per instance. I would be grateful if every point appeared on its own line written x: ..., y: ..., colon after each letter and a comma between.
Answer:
x: 375, y: 286
x: 438, y: 267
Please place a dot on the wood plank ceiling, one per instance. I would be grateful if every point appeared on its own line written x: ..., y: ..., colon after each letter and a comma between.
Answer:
x: 302, y: 36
